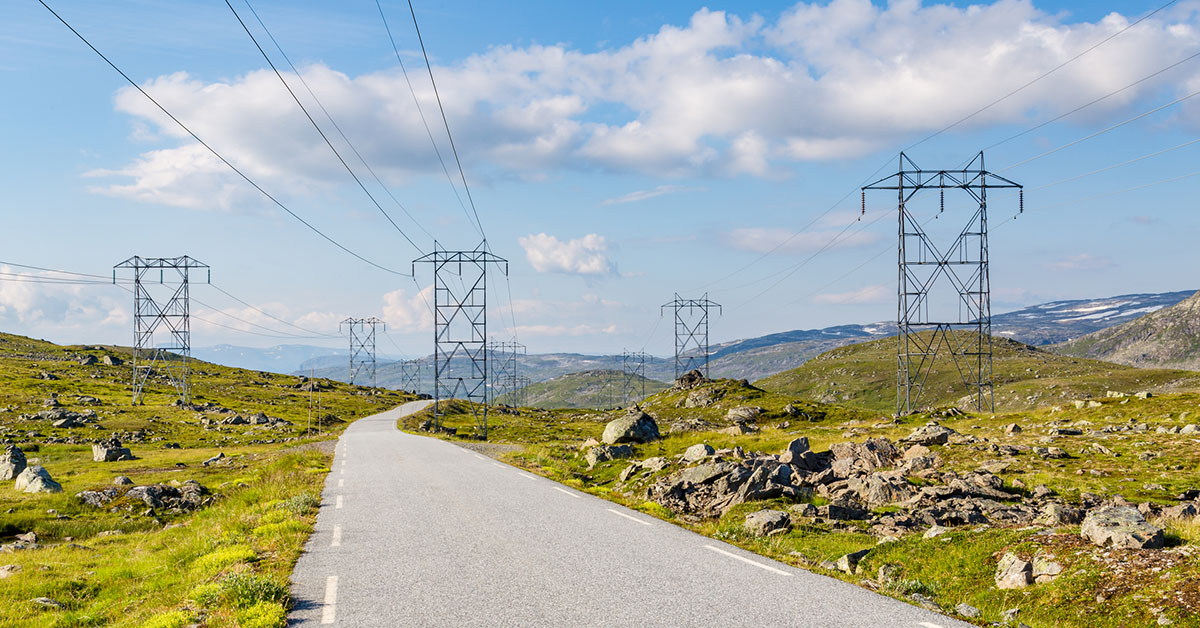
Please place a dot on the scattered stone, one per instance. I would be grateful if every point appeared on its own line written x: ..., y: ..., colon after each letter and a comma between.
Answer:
x: 28, y: 537
x: 1182, y: 511
x: 109, y: 360
x: 1010, y: 616
x: 604, y: 453
x: 697, y: 452
x: 966, y: 610
x: 691, y: 379
x: 1011, y: 428
x: 1045, y: 569
x: 1121, y: 527
x: 1055, y: 514
x: 795, y: 450
x: 1051, y: 453
x: 930, y: 434
x: 849, y: 562
x: 215, y: 459
x: 1190, y: 428
x: 12, y: 463
x: 47, y: 602
x: 925, y: 602
x: 743, y: 414
x: 767, y: 522
x: 1144, y: 395
x: 36, y: 479
x: 110, y: 451
x: 1013, y: 573
x: 888, y: 573
x: 635, y: 427
x: 738, y: 429
x: 935, y: 532
x: 8, y: 570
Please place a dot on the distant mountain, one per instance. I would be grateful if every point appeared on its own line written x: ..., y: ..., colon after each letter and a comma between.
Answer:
x: 755, y: 358
x: 586, y: 389
x: 1165, y: 337
x: 278, y: 359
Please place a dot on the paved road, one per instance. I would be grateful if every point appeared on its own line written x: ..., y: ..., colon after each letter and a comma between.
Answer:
x: 416, y: 531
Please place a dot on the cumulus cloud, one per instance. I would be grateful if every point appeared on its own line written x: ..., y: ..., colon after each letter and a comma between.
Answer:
x: 720, y: 96
x: 760, y: 239
x: 584, y: 256
x: 642, y: 195
x: 565, y: 330
x: 28, y: 304
x: 865, y: 295
x: 405, y: 311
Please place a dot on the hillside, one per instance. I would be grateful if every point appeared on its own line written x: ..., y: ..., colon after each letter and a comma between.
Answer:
x: 202, y: 523
x: 1025, y: 377
x: 1167, y: 337
x: 587, y: 389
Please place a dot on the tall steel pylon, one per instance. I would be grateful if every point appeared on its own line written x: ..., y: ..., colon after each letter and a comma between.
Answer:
x: 520, y: 396
x: 460, y: 328
x: 503, y: 362
x: 361, y: 332
x: 691, y: 333
x: 964, y: 268
x: 162, y: 330
x: 633, y: 376
x: 410, y: 375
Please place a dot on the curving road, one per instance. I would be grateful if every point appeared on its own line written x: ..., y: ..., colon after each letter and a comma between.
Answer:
x: 415, y: 531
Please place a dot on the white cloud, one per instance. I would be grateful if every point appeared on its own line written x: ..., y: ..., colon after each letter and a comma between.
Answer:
x: 404, y: 311
x: 1083, y: 261
x: 26, y: 303
x: 760, y: 240
x: 865, y: 295
x: 719, y: 96
x: 584, y: 256
x: 641, y: 195
x: 565, y: 330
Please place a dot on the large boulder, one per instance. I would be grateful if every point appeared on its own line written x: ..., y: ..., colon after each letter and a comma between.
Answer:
x: 1013, y: 573
x: 691, y: 379
x: 12, y: 463
x: 36, y: 479
x: 604, y: 453
x: 929, y: 434
x: 875, y: 453
x: 697, y: 452
x: 110, y: 451
x: 634, y: 427
x: 1122, y: 527
x: 767, y: 522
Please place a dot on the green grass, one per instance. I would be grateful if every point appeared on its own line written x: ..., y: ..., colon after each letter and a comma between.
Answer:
x: 586, y: 389
x: 122, y: 566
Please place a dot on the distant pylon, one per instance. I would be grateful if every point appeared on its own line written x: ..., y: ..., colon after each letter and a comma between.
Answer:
x: 691, y: 333
x: 162, y: 331
x: 460, y: 328
x: 633, y: 376
x: 965, y: 265
x: 503, y: 363
x: 410, y: 375
x: 361, y: 332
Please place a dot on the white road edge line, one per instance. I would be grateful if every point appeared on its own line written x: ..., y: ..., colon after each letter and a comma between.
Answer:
x: 563, y: 490
x: 502, y: 466
x: 480, y: 457
x: 337, y: 537
x: 621, y: 514
x: 526, y: 475
x: 338, y: 503
x: 747, y: 560
x: 928, y: 625
x: 329, y: 607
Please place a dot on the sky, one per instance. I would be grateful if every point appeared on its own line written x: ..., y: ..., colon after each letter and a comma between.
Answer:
x: 617, y: 154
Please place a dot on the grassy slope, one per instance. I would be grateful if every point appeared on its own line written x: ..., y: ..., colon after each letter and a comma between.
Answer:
x: 958, y: 566
x: 586, y: 389
x: 864, y: 375
x: 227, y: 564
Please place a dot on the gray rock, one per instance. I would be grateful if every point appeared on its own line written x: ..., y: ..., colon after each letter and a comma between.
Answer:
x: 121, y: 480
x: 1045, y: 569
x: 704, y: 473
x: 215, y: 459
x: 1054, y: 514
x: 1010, y: 616
x: 935, y: 531
x: 743, y: 414
x: 110, y: 451
x: 1182, y: 511
x: 634, y: 427
x: 795, y: 450
x: 1013, y: 573
x: 109, y: 360
x: 36, y: 479
x: 1121, y: 527
x: 930, y: 434
x: 604, y: 453
x: 8, y: 570
x: 849, y: 562
x: 12, y: 463
x: 1011, y: 428
x: 697, y: 452
x: 767, y: 522
x: 47, y: 602
x: 966, y: 610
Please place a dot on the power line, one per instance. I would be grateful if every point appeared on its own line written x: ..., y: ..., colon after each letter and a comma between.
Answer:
x: 269, y: 315
x: 334, y: 122
x: 424, y: 122
x: 318, y: 128
x: 446, y: 122
x: 212, y: 150
x: 253, y: 324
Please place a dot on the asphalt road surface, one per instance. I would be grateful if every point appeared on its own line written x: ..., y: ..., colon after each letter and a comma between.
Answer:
x: 415, y: 531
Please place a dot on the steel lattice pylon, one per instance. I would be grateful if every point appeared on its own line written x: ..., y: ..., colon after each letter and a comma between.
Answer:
x: 965, y: 265
x: 460, y: 328
x: 410, y: 375
x: 691, y: 333
x: 162, y: 330
x: 361, y: 332
x: 521, y: 394
x: 502, y: 360
x: 633, y: 375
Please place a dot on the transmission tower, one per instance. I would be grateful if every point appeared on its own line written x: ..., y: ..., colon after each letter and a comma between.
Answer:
x: 460, y: 329
x: 962, y: 267
x: 521, y: 394
x: 502, y: 360
x: 410, y: 375
x: 361, y: 332
x: 691, y: 333
x: 633, y: 376
x: 162, y: 330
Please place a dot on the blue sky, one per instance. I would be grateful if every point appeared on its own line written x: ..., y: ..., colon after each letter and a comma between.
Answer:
x: 618, y: 153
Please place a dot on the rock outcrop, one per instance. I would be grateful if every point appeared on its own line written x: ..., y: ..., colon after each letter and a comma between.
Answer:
x: 1121, y: 527
x: 12, y: 463
x: 635, y: 427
